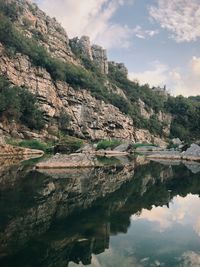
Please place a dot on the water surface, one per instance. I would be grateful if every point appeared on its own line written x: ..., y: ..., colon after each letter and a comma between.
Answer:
x: 123, y: 216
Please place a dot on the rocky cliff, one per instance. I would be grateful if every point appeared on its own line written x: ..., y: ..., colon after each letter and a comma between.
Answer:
x: 89, y: 117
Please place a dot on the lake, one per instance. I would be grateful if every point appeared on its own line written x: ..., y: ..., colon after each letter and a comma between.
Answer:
x: 138, y: 214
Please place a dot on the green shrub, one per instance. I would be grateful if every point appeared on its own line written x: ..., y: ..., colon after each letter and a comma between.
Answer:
x: 19, y: 104
x: 71, y: 142
x: 11, y: 10
x: 34, y: 144
x: 104, y: 144
x: 186, y: 117
x: 64, y: 120
x: 110, y: 161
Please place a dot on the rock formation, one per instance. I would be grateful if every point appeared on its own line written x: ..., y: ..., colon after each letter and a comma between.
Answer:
x: 100, y: 58
x: 95, y: 53
x: 89, y: 118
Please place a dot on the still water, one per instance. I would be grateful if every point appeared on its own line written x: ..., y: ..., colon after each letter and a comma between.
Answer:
x: 133, y: 215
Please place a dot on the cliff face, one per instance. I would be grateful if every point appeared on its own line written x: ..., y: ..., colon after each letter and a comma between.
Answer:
x: 34, y: 22
x: 89, y: 117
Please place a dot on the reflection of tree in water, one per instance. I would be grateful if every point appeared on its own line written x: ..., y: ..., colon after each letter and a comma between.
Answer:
x: 86, y: 231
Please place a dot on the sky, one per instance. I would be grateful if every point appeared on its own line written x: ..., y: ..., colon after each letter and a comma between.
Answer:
x: 158, y: 40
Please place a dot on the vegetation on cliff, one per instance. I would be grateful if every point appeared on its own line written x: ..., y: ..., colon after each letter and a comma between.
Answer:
x: 186, y: 117
x: 18, y: 104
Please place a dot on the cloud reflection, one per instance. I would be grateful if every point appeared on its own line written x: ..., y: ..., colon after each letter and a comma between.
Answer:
x: 182, y: 210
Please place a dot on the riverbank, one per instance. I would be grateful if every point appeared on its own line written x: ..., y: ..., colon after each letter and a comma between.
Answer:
x: 12, y: 151
x: 91, y: 158
x: 191, y: 154
x: 82, y: 160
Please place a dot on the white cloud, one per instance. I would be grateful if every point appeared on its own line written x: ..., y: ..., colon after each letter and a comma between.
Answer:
x: 143, y: 34
x: 180, y: 17
x: 114, y: 36
x: 195, y: 66
x: 156, y: 76
x: 178, y: 83
x: 94, y: 18
x: 188, y: 83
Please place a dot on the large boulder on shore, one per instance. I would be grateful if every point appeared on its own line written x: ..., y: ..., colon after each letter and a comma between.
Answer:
x: 123, y: 147
x: 193, y: 150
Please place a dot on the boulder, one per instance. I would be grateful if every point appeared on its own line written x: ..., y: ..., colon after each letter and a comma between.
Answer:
x: 176, y: 141
x: 123, y: 147
x: 87, y: 148
x: 191, y: 154
x: 193, y: 150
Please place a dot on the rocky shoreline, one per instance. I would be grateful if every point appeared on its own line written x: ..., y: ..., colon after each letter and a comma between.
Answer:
x: 88, y: 156
x: 85, y: 159
x: 18, y: 152
x: 82, y: 160
x: 15, y: 151
x: 191, y: 154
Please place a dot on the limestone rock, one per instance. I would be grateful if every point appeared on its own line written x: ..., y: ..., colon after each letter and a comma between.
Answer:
x: 193, y: 151
x: 123, y: 147
x: 147, y: 112
x: 82, y: 45
x: 100, y: 58
x: 89, y: 118
x: 143, y: 110
x: 94, y: 53
x: 176, y: 141
x: 87, y: 148
x: 143, y: 136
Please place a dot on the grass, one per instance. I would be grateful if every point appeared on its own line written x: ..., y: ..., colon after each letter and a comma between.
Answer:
x: 35, y: 144
x: 32, y: 144
x: 73, y: 143
x: 110, y: 161
x: 104, y: 144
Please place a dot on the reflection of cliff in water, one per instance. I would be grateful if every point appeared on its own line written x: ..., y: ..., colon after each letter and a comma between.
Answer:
x: 52, y: 219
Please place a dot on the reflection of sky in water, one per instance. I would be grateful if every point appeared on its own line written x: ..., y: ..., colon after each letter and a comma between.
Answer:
x: 159, y: 237
x: 184, y: 211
